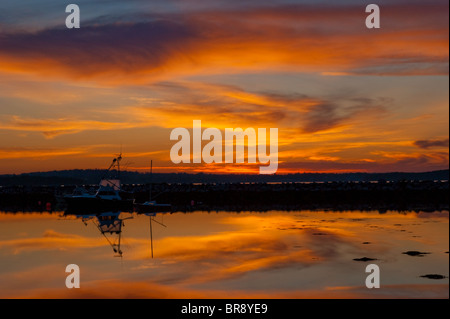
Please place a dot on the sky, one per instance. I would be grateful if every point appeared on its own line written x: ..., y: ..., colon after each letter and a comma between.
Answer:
x: 344, y: 98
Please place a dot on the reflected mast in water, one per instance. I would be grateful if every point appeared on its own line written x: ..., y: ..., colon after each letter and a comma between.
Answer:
x: 112, y: 224
x: 151, y: 215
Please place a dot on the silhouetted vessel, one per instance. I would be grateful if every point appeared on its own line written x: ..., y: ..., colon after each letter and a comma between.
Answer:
x: 108, y: 197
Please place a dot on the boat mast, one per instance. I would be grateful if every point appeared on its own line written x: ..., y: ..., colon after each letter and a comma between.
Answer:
x: 118, y: 166
x: 151, y: 179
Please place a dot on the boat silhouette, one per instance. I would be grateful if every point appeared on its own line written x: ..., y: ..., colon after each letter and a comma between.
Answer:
x: 110, y: 225
x: 108, y: 197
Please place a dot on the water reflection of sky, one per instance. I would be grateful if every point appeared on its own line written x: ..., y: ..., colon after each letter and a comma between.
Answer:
x: 227, y: 255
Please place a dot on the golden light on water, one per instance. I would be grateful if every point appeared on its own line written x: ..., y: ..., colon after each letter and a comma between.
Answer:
x: 299, y: 254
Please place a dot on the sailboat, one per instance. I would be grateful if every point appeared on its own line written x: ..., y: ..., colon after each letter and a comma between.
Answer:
x: 151, y: 206
x: 108, y: 197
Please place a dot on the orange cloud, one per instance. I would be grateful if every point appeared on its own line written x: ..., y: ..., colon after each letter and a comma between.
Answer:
x: 54, y: 127
x: 230, y: 106
x: 39, y: 153
x: 316, y: 132
x: 330, y: 39
x: 217, y: 106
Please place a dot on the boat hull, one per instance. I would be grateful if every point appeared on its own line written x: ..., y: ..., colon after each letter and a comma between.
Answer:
x: 97, y: 205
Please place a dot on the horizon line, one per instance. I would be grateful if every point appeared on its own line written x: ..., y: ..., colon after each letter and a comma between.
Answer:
x: 227, y: 174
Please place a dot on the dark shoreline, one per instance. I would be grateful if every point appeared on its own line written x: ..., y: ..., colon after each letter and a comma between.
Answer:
x: 93, y: 176
x: 381, y: 196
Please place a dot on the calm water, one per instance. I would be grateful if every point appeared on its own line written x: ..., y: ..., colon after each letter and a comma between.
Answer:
x: 276, y: 254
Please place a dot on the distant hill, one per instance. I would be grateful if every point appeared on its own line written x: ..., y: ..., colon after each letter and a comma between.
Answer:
x: 84, y: 177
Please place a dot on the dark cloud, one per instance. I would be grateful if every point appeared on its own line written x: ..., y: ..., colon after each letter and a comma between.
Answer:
x: 431, y: 143
x: 328, y: 114
x: 422, y: 163
x: 130, y: 48
x: 264, y: 37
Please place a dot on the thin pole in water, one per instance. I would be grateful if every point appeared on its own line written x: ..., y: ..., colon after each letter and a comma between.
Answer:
x: 151, y: 234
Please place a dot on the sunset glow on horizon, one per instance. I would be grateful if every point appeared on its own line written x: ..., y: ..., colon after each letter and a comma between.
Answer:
x: 343, y: 97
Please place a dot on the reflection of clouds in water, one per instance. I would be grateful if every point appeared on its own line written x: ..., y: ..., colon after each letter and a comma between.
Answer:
x: 396, y: 291
x: 232, y: 255
x: 25, y: 217
x: 118, y: 289
x: 50, y: 239
x: 443, y: 214
x: 249, y: 255
x: 258, y: 244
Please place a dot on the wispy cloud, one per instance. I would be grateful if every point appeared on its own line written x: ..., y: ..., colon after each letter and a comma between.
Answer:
x: 50, y: 239
x: 217, y: 106
x: 51, y: 128
x: 138, y: 69
x: 40, y: 153
x: 431, y: 143
x: 227, y: 106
